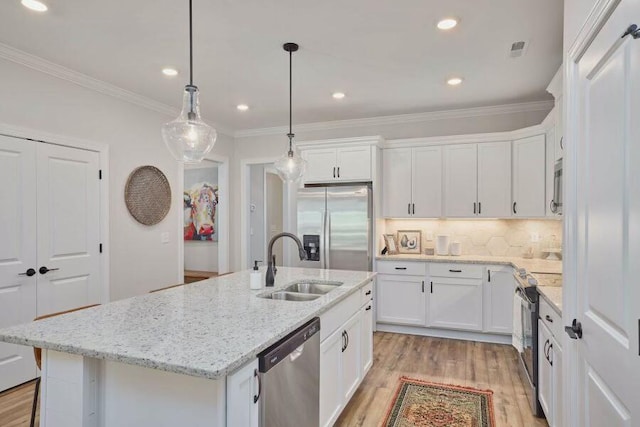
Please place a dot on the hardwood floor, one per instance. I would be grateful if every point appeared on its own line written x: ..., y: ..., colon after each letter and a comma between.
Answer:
x: 15, y: 406
x: 479, y: 365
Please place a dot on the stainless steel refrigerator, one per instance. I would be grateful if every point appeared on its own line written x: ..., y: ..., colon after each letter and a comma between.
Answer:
x: 334, y: 224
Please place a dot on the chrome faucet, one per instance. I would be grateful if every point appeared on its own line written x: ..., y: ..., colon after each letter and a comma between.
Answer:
x: 271, y: 267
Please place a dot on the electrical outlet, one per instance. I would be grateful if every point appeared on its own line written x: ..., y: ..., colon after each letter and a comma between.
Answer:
x: 429, y: 236
x: 164, y: 237
x: 535, y: 237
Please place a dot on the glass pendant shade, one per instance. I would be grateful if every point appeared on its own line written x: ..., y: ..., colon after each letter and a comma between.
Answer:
x: 188, y: 137
x: 290, y: 167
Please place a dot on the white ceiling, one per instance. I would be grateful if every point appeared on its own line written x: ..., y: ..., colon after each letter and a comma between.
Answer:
x: 387, y: 56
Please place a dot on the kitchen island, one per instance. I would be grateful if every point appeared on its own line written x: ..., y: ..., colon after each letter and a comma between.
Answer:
x: 168, y: 358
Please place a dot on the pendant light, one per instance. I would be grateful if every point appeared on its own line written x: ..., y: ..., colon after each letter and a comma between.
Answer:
x: 188, y: 137
x: 291, y: 166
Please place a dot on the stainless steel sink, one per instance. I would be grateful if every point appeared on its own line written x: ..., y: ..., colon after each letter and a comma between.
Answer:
x: 290, y: 296
x: 316, y: 288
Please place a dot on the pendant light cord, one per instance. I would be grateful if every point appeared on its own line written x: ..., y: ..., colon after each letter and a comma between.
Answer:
x: 190, y: 43
x: 290, y: 135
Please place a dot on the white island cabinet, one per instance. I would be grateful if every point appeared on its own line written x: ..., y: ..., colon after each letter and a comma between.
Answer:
x: 188, y: 355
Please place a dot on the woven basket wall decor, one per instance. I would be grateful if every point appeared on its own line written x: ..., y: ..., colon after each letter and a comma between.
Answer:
x: 148, y: 195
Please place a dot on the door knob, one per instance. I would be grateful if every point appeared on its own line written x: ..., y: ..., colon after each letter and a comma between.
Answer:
x: 45, y: 270
x: 30, y: 272
x: 575, y: 330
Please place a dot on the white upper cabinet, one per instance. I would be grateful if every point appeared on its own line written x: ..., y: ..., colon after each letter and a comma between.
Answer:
x: 348, y: 163
x: 426, y: 182
x: 396, y: 184
x: 529, y: 177
x: 460, y: 180
x: 494, y: 179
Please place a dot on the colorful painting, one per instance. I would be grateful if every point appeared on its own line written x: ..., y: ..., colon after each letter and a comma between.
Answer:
x: 200, y: 201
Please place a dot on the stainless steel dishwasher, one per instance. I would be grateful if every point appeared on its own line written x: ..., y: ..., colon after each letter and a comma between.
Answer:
x: 290, y: 379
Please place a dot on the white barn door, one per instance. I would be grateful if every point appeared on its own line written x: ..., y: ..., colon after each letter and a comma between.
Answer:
x: 608, y: 225
x: 68, y: 228
x: 17, y: 254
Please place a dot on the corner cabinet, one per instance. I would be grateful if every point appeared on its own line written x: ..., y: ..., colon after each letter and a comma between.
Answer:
x: 529, y: 177
x: 243, y: 396
x: 341, y: 164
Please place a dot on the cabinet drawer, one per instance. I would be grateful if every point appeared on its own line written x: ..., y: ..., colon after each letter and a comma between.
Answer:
x: 468, y: 271
x: 338, y: 315
x: 366, y: 293
x: 402, y: 267
x: 550, y: 318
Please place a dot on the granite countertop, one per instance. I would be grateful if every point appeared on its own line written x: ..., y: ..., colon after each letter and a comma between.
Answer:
x: 531, y: 265
x: 205, y: 329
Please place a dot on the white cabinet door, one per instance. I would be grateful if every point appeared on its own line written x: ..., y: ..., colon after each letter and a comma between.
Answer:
x: 559, y: 130
x: 17, y: 254
x: 321, y: 165
x: 460, y: 180
x: 354, y: 163
x: 529, y: 172
x: 366, y: 343
x: 498, y: 300
x: 494, y: 179
x: 68, y: 228
x: 401, y: 300
x: 351, y: 359
x: 242, y: 391
x: 331, y: 395
x: 545, y: 381
x: 396, y: 187
x: 426, y: 182
x: 455, y: 304
x: 556, y: 384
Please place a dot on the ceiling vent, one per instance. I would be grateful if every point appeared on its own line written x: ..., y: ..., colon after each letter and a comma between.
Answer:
x: 518, y: 49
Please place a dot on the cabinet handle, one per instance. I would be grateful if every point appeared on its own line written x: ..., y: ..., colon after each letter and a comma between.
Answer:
x: 346, y: 334
x: 455, y: 271
x: 368, y: 308
x: 431, y: 287
x: 553, y: 206
x: 401, y: 268
x: 344, y: 340
x: 409, y: 208
x: 413, y: 205
x: 562, y: 142
x: 423, y: 286
x: 548, y: 318
x: 514, y: 208
x: 489, y: 274
x: 368, y: 293
x: 256, y: 397
x: 334, y: 171
x: 546, y: 349
x: 474, y: 208
x: 338, y: 171
x: 479, y: 208
x: 550, y: 355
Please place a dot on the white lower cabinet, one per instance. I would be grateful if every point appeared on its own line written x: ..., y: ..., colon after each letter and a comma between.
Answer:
x: 243, y: 402
x: 401, y: 299
x: 550, y: 370
x: 455, y: 303
x: 346, y: 354
x: 498, y: 299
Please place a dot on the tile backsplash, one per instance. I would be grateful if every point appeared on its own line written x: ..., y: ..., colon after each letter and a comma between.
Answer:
x: 500, y: 237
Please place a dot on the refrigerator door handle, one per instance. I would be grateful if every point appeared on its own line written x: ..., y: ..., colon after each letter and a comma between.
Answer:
x: 327, y: 246
x: 322, y: 240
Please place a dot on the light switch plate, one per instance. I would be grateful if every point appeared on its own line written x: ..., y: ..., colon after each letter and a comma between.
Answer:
x: 535, y: 237
x: 164, y: 237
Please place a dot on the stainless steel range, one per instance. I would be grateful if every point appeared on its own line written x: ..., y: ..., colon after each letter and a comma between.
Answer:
x: 528, y: 295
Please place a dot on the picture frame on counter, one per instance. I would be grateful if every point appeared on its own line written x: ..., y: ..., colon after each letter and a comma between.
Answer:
x: 409, y: 241
x: 391, y: 242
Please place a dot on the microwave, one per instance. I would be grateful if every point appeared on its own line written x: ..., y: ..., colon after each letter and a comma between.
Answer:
x: 556, y: 202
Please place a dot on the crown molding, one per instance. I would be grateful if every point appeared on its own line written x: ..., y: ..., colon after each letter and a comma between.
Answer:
x: 44, y: 66
x: 404, y: 118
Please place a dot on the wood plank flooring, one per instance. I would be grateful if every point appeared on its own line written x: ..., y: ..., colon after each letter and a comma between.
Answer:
x: 15, y: 406
x: 479, y: 365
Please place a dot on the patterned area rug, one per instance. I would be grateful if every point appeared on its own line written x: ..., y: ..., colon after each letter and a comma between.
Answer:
x: 423, y: 404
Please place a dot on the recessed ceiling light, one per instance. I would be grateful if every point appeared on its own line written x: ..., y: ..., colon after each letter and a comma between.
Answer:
x: 454, y: 81
x: 242, y: 107
x: 338, y: 95
x: 447, y: 23
x: 170, y: 72
x: 36, y: 5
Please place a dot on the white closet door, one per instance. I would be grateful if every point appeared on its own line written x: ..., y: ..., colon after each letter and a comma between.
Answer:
x: 68, y: 228
x: 494, y: 179
x: 17, y: 254
x: 461, y: 180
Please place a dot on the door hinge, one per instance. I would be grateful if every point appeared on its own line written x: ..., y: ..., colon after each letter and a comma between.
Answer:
x: 100, y: 174
x: 100, y: 247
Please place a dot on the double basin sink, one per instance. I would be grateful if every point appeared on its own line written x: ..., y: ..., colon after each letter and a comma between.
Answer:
x: 303, y: 291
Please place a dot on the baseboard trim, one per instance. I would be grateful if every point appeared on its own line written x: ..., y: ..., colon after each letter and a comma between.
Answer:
x: 443, y: 333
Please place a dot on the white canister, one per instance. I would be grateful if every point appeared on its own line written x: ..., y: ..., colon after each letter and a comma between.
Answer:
x: 442, y: 244
x: 456, y: 248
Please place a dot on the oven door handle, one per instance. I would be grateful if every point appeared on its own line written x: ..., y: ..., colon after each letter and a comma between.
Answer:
x: 526, y: 302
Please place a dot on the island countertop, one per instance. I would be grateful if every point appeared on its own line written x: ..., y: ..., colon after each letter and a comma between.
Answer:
x: 204, y: 329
